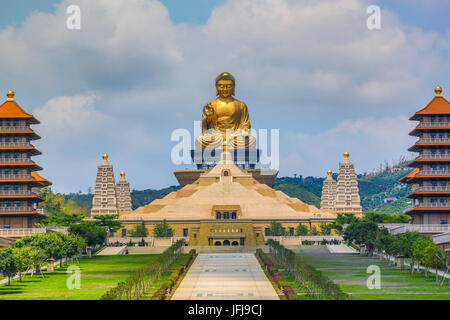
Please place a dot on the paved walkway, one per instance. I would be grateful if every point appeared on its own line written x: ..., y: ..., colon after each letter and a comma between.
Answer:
x: 225, y: 276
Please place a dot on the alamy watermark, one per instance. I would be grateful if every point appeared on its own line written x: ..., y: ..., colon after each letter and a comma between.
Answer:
x: 268, y: 151
x: 74, y: 280
x: 374, y: 20
x: 73, y: 22
x: 374, y: 280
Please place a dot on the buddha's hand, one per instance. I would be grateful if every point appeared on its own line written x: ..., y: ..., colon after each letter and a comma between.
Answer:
x: 209, y: 110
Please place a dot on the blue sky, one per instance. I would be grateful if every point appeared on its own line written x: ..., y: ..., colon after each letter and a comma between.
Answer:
x: 137, y: 70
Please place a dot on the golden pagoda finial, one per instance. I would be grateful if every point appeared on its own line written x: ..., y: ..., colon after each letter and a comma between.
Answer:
x: 438, y: 91
x: 10, y: 95
x: 122, y: 174
x: 329, y: 172
x: 105, y: 156
x: 346, y: 155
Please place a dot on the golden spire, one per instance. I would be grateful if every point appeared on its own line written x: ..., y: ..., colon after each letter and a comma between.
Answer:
x: 122, y: 174
x: 438, y: 91
x: 10, y: 95
x: 346, y: 155
x: 329, y: 172
x: 224, y: 145
x: 105, y: 156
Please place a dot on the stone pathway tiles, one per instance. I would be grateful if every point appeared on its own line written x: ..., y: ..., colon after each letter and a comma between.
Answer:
x: 225, y: 276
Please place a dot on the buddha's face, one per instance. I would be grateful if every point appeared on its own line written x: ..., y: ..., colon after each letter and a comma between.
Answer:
x: 224, y: 88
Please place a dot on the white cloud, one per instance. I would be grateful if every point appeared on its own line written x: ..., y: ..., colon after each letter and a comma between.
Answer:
x: 69, y: 115
x: 370, y: 141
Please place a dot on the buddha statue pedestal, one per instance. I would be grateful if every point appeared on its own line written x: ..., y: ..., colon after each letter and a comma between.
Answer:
x: 208, y: 158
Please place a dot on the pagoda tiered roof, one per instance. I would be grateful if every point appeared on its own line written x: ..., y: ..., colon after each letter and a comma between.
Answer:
x: 437, y: 106
x: 27, y: 197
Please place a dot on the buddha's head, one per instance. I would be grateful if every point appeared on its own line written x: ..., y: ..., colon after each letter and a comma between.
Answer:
x: 225, y: 84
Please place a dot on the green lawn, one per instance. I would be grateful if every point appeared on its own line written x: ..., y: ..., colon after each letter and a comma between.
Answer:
x: 98, y: 274
x: 350, y: 273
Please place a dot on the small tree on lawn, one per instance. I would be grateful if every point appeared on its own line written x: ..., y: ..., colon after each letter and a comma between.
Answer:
x: 325, y: 229
x: 276, y: 229
x: 92, y: 233
x: 22, y: 259
x: 7, y: 264
x: 301, y: 230
x: 162, y: 230
x: 139, y: 231
x: 313, y: 231
x: 110, y: 222
x: 432, y: 258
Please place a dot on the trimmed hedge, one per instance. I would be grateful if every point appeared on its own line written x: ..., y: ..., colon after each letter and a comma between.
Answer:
x: 138, y: 283
x: 167, y: 286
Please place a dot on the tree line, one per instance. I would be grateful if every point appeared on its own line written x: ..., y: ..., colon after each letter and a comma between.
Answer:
x: 31, y: 252
x: 420, y: 248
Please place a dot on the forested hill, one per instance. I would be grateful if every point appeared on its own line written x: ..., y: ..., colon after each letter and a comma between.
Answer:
x: 373, y: 189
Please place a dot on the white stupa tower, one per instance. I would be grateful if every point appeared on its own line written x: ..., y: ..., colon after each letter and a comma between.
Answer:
x: 123, y: 194
x: 347, y: 198
x: 328, y: 192
x: 105, y: 200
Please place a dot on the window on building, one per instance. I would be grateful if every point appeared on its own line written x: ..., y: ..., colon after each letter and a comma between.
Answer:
x: 226, y: 215
x: 233, y: 215
x: 218, y: 215
x: 266, y: 231
x: 444, y: 221
x: 291, y: 231
x: 124, y: 233
x: 185, y: 232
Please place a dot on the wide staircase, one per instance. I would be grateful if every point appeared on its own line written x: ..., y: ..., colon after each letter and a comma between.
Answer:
x: 341, y: 248
x: 108, y: 251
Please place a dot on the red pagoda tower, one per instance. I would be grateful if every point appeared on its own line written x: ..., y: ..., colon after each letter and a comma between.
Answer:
x: 19, y: 181
x: 430, y: 179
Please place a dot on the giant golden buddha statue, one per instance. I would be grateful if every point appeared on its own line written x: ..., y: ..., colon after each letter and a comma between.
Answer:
x: 225, y: 120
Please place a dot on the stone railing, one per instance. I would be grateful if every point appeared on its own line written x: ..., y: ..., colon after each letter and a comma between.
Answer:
x: 21, y: 232
x: 17, y: 193
x: 297, y: 240
x: 15, y: 160
x: 15, y: 176
x: 433, y: 172
x: 15, y: 128
x: 42, y: 211
x: 150, y: 241
x: 422, y: 228
x: 433, y: 124
x: 442, y: 238
x: 19, y: 208
x: 14, y: 144
x: 430, y: 188
x: 433, y: 156
x: 433, y: 140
